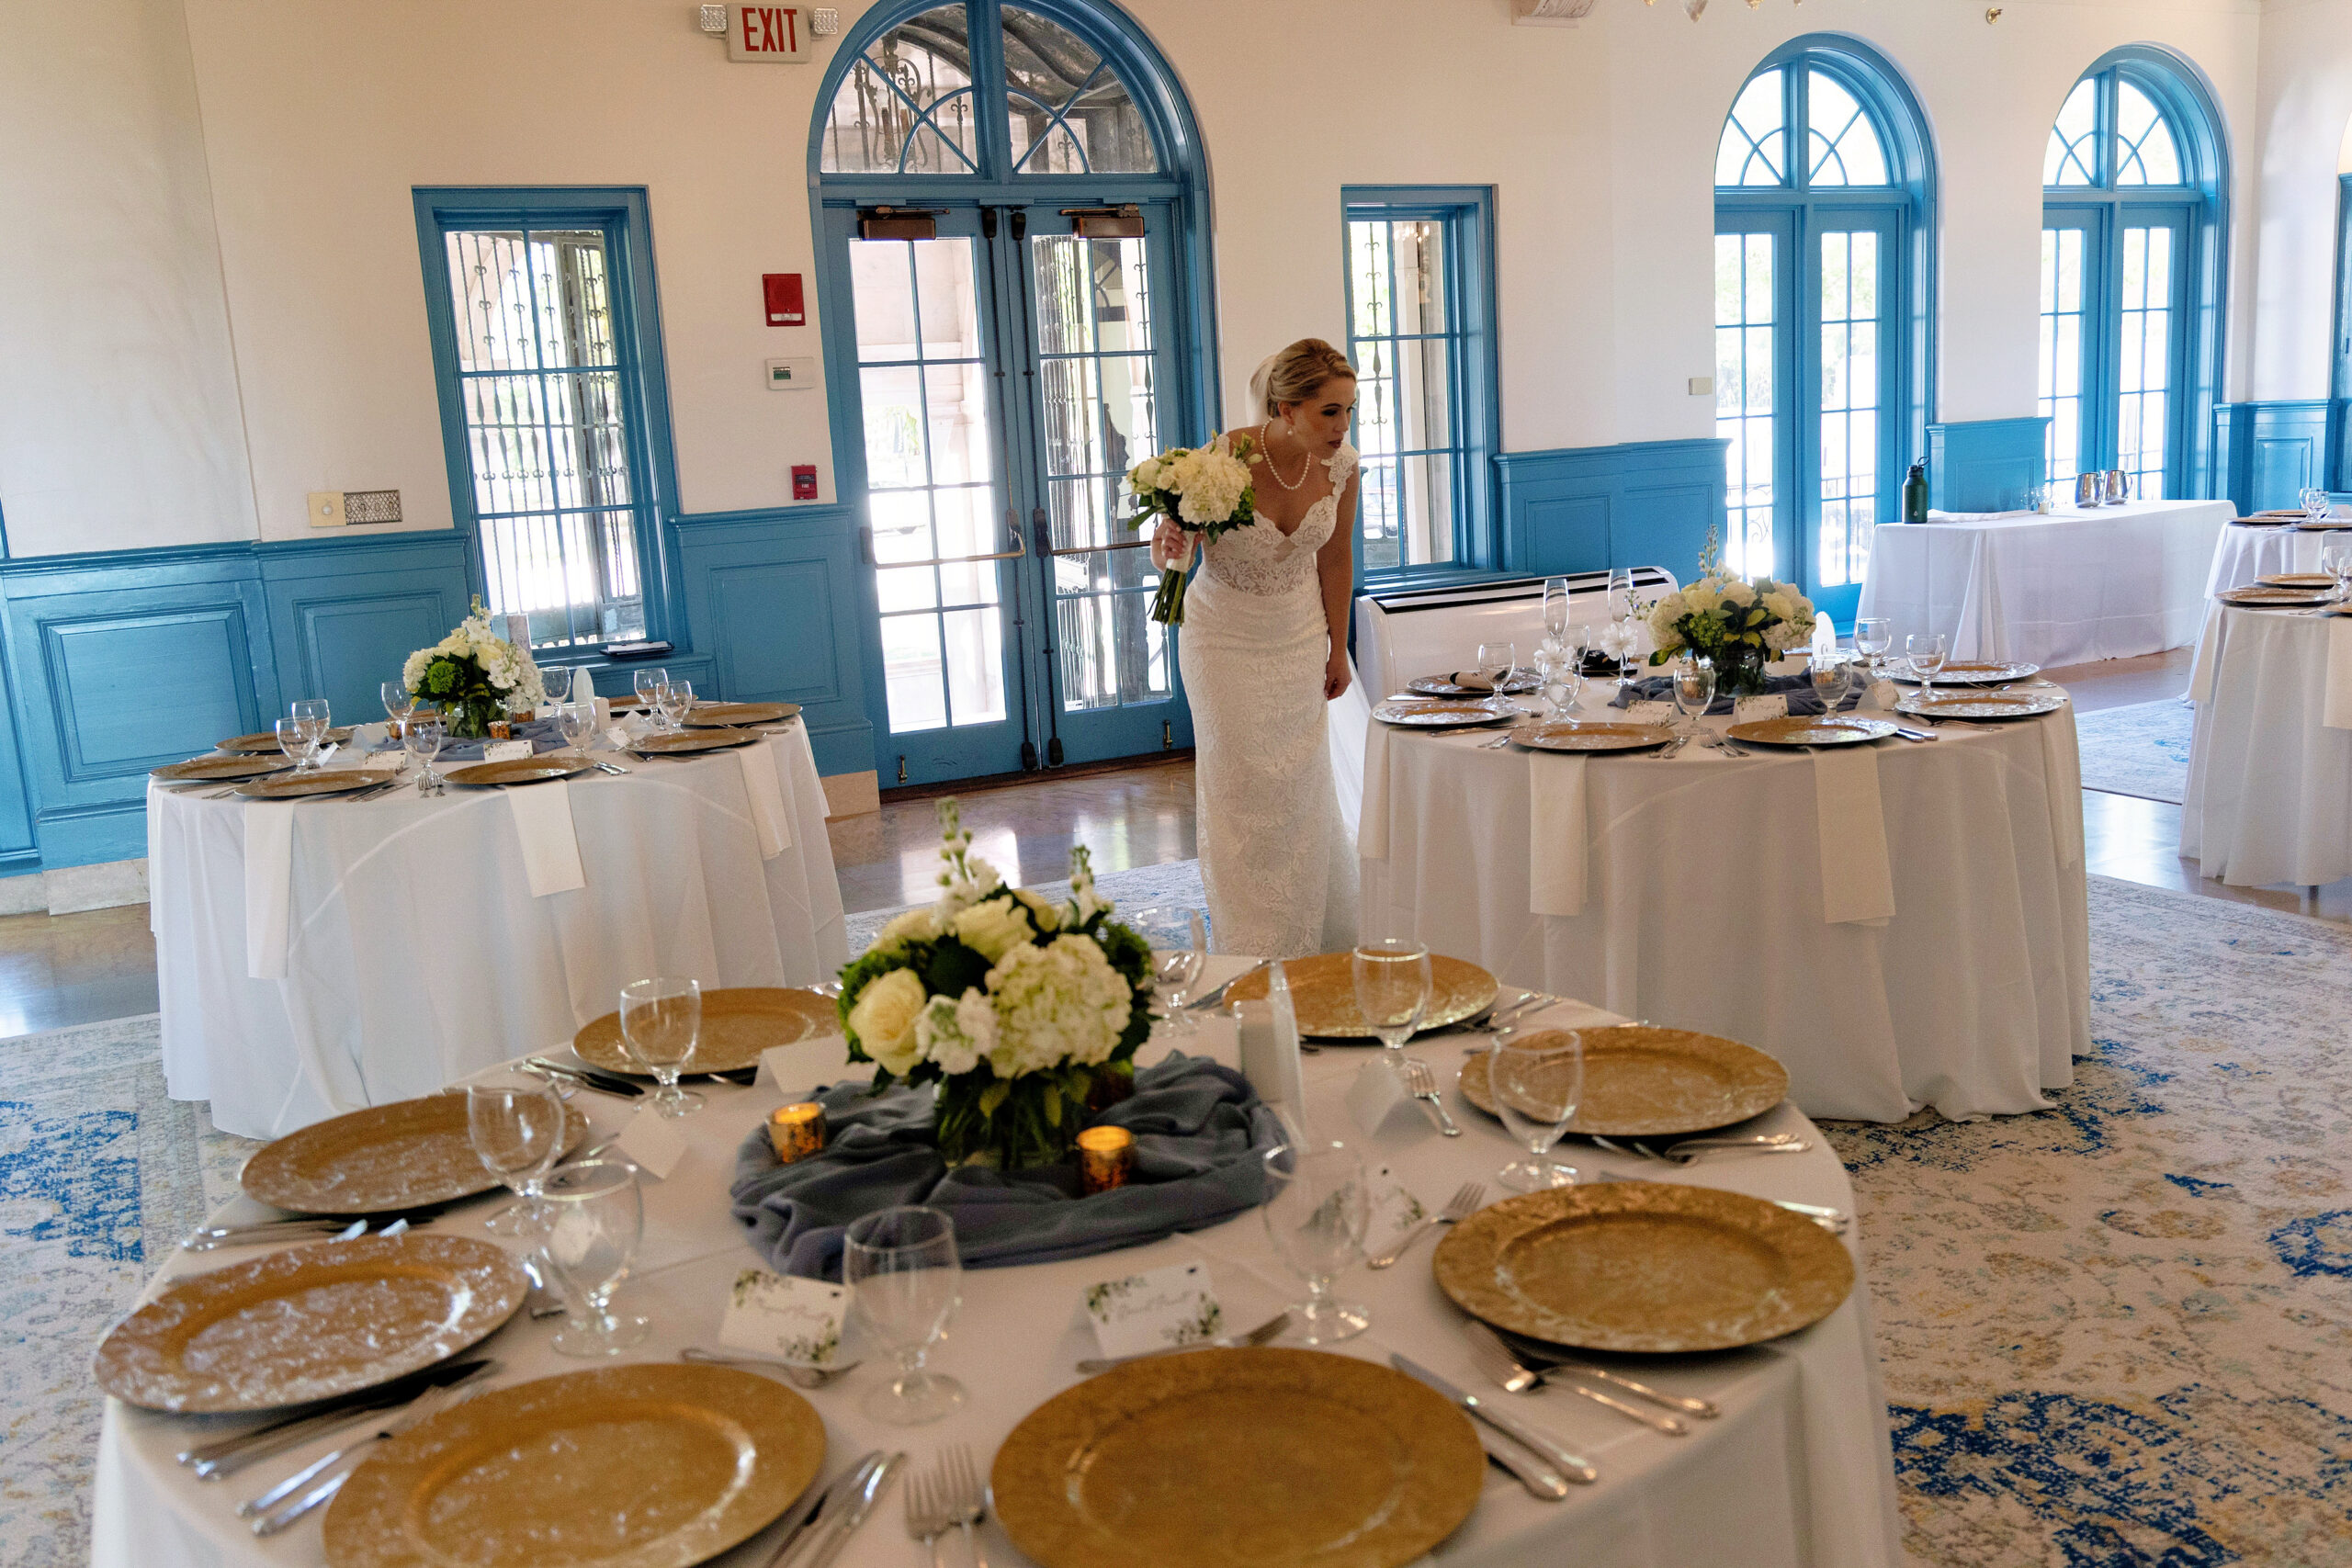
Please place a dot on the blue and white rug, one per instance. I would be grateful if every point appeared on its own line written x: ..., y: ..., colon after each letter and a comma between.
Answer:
x: 2141, y: 750
x: 1171, y: 883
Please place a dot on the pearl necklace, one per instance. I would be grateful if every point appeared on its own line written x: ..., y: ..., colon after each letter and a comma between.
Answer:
x: 1267, y: 447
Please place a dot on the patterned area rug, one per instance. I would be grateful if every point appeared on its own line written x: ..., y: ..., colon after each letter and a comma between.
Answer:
x: 2141, y: 750
x: 1175, y: 882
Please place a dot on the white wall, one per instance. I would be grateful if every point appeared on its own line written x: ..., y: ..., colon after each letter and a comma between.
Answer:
x: 317, y: 118
x: 2306, y: 141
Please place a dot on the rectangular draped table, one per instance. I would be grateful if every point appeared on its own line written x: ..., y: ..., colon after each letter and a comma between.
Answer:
x: 2070, y: 588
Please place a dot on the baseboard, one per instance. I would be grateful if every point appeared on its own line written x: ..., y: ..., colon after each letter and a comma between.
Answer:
x: 69, y: 890
x: 852, y: 795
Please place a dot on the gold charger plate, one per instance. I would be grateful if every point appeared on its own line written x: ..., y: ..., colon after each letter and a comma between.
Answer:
x: 2329, y: 525
x: 266, y: 740
x: 541, y: 768
x: 1644, y: 1267
x: 1323, y: 994
x: 738, y: 1023
x: 1573, y: 735
x: 1973, y: 672
x: 1451, y: 685
x: 326, y: 781
x: 2297, y: 579
x: 405, y: 1155
x: 222, y: 768
x: 309, y: 1323
x: 647, y: 1466
x: 1438, y: 715
x: 695, y: 741
x: 2272, y: 598
x: 1641, y: 1081
x: 1245, y: 1459
x: 1979, y: 704
x: 1844, y: 729
x: 718, y: 715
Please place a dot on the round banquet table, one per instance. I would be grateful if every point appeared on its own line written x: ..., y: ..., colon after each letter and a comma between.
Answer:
x: 2243, y: 556
x: 1798, y: 1470
x: 2269, y: 797
x: 371, y: 951
x: 1694, y: 897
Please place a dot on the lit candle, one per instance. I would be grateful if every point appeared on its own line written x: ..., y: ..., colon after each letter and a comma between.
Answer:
x: 1105, y: 1154
x: 797, y: 1131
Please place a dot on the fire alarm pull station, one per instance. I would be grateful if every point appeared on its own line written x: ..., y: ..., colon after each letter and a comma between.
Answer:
x: 782, y: 291
x: 804, y: 481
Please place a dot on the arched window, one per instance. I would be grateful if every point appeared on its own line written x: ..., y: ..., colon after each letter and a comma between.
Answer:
x: 2132, y: 262
x: 1825, y: 187
x: 1010, y: 200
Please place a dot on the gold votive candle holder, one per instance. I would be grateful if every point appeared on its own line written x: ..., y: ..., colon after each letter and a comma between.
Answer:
x: 1105, y: 1157
x: 795, y: 1132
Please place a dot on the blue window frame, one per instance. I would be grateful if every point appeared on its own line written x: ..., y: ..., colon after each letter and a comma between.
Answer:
x: 1824, y: 293
x: 2134, y: 215
x: 1420, y: 333
x: 554, y: 413
x: 2343, y: 356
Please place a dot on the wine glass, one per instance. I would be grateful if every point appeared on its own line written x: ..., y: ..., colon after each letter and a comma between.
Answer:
x: 421, y: 737
x: 1925, y: 652
x: 905, y: 1280
x: 515, y: 1123
x: 1497, y: 661
x: 576, y: 722
x: 650, y: 686
x: 1538, y: 1080
x: 1621, y: 594
x: 1180, y: 941
x: 2314, y: 502
x: 398, y: 701
x: 677, y: 701
x: 1318, y: 1207
x: 1555, y: 608
x: 294, y: 738
x: 1393, y: 986
x: 594, y: 1220
x: 1830, y: 672
x: 2336, y: 560
x: 1694, y: 688
x: 1873, y: 635
x: 661, y: 1019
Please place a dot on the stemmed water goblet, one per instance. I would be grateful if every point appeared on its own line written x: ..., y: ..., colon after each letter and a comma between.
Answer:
x: 1318, y: 1208
x: 311, y: 713
x: 1180, y: 941
x: 515, y: 1123
x: 2314, y: 502
x: 1498, y: 662
x: 651, y: 686
x: 2336, y: 560
x: 660, y: 1020
x: 905, y: 1277
x: 593, y: 1219
x: 676, y: 702
x: 1829, y: 671
x: 294, y: 738
x: 421, y: 737
x: 398, y: 701
x: 1873, y: 635
x: 1694, y: 690
x: 1924, y: 653
x: 576, y: 722
x: 1393, y: 986
x: 1538, y: 1081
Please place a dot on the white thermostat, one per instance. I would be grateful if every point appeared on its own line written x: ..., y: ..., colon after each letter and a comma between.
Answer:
x: 791, y: 375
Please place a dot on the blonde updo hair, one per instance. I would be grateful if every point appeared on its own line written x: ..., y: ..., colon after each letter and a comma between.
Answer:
x: 1292, y: 375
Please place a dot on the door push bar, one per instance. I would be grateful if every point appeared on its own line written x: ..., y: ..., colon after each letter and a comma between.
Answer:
x: 865, y: 544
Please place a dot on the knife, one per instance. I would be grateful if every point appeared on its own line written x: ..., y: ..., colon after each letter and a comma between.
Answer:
x: 1213, y: 998
x: 226, y: 1456
x: 833, y: 1534
x: 331, y: 1470
x: 1572, y: 1467
x: 594, y: 1077
x: 820, y: 1500
x: 1537, y: 1477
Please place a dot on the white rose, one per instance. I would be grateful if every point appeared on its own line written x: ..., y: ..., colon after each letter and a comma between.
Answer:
x: 1738, y: 593
x: 882, y: 1019
x: 915, y: 925
x: 992, y: 929
x: 1043, y: 913
x: 1702, y: 597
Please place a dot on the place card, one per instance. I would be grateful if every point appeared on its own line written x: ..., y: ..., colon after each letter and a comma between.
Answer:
x: 783, y: 1314
x: 1394, y: 1212
x: 1377, y: 1094
x: 506, y: 751
x: 616, y: 738
x: 653, y: 1143
x: 792, y: 1069
x: 1653, y: 713
x: 1770, y: 704
x: 1153, y: 1310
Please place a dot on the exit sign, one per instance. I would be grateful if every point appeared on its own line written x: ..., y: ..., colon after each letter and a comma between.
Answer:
x: 767, y: 32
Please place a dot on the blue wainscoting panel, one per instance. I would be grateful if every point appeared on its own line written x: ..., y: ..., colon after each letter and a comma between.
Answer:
x: 774, y: 597
x: 1641, y: 504
x: 2266, y: 453
x: 1984, y: 465
x: 345, y: 614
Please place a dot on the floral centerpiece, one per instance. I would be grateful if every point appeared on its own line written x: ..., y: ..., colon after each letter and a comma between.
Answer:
x: 474, y: 676
x: 1737, y: 625
x: 1022, y: 1011
x: 1206, y: 492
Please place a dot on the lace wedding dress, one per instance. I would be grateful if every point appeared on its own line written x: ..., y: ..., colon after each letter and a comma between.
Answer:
x: 1276, y: 861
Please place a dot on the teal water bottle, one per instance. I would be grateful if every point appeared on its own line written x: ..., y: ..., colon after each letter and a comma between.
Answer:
x: 1914, y: 493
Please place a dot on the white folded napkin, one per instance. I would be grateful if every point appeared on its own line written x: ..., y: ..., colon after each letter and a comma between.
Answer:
x: 1857, y: 885
x: 550, y: 850
x: 1555, y: 833
x: 2337, y: 712
x: 768, y: 814
x: 269, y: 891
x: 1371, y: 817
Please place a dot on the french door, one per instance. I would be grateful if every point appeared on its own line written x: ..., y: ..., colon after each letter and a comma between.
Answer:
x: 2115, y: 305
x: 1009, y: 372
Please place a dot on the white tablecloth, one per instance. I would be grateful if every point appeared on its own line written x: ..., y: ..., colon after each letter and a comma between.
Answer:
x: 1798, y: 1470
x: 2269, y: 797
x: 2243, y: 556
x: 1702, y: 904
x: 2066, y: 589
x: 412, y: 949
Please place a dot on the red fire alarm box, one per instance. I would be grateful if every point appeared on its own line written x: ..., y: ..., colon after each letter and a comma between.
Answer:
x: 782, y: 291
x: 804, y: 481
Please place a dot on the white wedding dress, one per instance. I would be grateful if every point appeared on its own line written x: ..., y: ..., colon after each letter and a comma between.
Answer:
x: 1278, y: 863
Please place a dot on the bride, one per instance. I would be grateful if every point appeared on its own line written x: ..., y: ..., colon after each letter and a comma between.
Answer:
x: 1263, y: 649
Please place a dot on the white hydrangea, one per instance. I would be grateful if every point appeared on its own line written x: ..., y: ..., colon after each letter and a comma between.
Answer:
x: 1663, y: 614
x: 956, y: 1032
x: 1055, y: 1004
x: 1212, y: 484
x: 915, y: 925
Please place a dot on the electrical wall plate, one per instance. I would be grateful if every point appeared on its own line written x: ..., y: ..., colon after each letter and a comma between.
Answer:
x: 325, y: 509
x: 795, y: 375
x: 371, y: 505
x: 1702, y: 386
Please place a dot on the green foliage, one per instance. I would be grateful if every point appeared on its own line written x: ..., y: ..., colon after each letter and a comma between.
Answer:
x: 951, y: 968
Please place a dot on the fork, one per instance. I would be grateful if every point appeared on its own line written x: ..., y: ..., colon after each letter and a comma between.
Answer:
x: 1458, y: 1208
x: 927, y: 1517
x: 1508, y: 1373
x: 965, y: 1499
x: 1421, y: 1084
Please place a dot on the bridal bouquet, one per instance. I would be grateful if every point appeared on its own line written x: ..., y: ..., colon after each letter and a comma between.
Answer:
x: 1738, y: 625
x: 1021, y: 1010
x: 1206, y: 492
x: 474, y: 676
